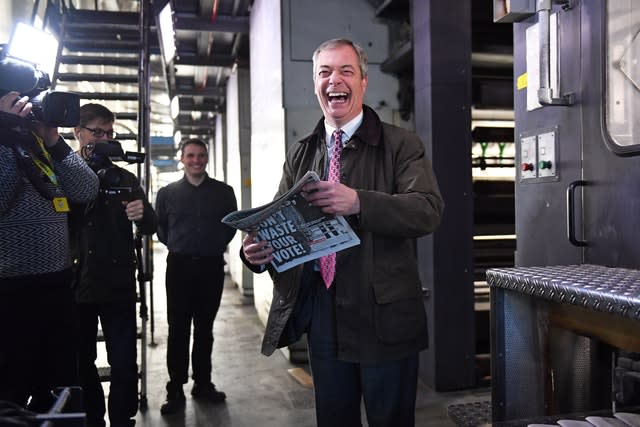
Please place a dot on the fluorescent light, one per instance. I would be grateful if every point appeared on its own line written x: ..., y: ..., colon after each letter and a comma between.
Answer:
x: 167, y: 34
x: 34, y: 46
x: 174, y: 107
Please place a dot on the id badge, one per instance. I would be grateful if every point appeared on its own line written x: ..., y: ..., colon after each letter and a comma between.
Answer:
x: 60, y: 204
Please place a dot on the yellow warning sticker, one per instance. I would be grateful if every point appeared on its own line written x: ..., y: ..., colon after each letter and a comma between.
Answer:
x: 521, y: 82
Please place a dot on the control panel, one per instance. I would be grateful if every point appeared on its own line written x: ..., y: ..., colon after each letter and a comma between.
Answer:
x: 538, y: 158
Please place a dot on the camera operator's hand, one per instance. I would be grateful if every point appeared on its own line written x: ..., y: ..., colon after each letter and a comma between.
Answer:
x: 134, y: 210
x: 21, y: 107
x: 49, y: 134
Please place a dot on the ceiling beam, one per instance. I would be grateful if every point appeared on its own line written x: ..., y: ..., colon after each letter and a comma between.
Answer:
x: 188, y: 104
x: 215, y: 60
x: 209, y: 92
x: 223, y: 23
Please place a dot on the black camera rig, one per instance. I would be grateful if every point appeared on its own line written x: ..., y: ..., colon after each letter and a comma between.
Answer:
x: 113, y: 181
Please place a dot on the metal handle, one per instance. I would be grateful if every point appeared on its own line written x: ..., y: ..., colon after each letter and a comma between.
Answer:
x: 545, y: 93
x: 571, y: 234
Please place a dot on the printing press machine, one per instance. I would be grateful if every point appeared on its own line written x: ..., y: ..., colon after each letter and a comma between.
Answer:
x: 565, y: 347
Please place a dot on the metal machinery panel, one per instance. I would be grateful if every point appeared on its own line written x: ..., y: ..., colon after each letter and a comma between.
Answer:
x: 544, y: 362
x: 580, y: 208
x: 516, y: 369
x: 583, y: 153
x: 540, y: 193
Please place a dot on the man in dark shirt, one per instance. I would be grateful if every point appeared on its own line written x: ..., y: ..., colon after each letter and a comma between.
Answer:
x: 189, y: 224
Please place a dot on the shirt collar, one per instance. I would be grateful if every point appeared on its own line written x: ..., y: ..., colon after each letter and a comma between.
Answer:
x: 349, y: 129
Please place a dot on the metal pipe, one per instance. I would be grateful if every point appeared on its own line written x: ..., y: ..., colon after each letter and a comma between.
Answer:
x: 545, y: 92
x: 491, y: 60
x: 482, y: 114
x: 144, y: 141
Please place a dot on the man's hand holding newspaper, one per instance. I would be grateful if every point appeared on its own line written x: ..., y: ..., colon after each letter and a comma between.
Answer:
x: 295, y: 229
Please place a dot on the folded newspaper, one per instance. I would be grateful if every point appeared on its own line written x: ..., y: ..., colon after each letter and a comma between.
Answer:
x: 296, y: 230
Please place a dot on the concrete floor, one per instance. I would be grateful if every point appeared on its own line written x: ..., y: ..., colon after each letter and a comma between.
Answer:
x: 260, y: 391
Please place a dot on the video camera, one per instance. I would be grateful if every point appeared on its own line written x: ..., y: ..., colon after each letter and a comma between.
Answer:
x: 113, y: 180
x: 53, y: 108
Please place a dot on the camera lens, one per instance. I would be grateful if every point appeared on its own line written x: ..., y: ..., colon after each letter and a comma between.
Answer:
x: 110, y: 177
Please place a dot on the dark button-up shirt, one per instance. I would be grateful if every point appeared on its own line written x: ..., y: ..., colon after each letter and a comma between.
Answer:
x: 189, y: 217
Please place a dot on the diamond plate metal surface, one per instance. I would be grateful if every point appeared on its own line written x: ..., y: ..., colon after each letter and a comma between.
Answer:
x: 595, y: 287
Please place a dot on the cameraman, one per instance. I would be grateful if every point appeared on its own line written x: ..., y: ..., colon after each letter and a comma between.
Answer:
x: 39, y: 177
x: 105, y: 274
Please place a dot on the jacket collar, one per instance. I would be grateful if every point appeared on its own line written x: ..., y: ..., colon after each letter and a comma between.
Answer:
x: 369, y: 132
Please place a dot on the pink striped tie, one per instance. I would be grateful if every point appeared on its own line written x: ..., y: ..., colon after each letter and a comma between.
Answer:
x: 328, y: 262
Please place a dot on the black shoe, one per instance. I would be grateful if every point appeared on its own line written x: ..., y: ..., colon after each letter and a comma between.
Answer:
x: 175, y: 402
x: 207, y: 392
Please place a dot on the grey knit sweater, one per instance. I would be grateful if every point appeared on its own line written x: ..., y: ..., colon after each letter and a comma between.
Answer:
x: 34, y: 238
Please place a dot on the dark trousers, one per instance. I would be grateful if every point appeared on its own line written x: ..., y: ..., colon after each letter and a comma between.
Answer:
x: 36, y: 338
x: 194, y: 289
x: 118, y: 322
x: 387, y: 388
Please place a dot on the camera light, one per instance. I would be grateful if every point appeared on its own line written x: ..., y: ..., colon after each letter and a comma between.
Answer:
x: 34, y: 46
x: 177, y: 138
x: 167, y: 33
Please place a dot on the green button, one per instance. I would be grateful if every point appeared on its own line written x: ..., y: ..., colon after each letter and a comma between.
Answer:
x: 544, y: 164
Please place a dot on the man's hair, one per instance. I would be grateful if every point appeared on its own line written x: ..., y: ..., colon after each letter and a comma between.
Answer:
x: 334, y: 43
x: 91, y: 112
x: 194, y: 141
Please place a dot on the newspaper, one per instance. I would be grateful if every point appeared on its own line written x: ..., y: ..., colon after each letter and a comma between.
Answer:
x: 297, y: 231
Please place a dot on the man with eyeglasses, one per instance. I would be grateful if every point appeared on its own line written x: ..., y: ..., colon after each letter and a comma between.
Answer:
x: 103, y: 250
x: 99, y: 132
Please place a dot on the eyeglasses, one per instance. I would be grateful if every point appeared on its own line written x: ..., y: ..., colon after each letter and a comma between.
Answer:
x: 99, y: 133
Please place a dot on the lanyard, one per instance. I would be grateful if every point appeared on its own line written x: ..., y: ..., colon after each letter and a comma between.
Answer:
x: 45, y: 166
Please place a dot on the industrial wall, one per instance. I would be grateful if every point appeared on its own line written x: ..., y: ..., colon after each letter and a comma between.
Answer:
x: 238, y: 120
x: 267, y: 120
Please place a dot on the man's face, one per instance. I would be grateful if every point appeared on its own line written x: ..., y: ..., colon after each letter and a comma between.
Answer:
x: 194, y: 158
x: 339, y: 85
x: 94, y: 132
